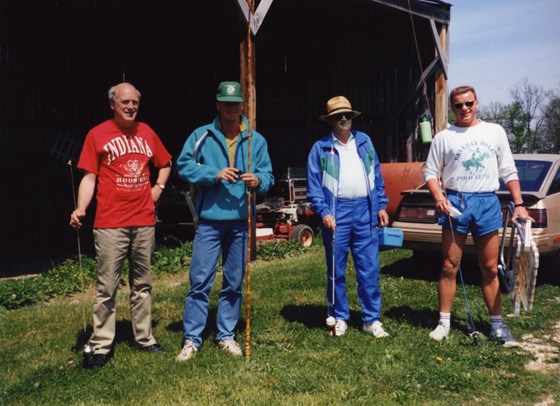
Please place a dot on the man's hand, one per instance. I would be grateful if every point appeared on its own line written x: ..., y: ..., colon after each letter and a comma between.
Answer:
x: 443, y: 206
x: 76, y: 218
x: 520, y: 212
x: 229, y: 174
x: 250, y: 179
x: 156, y: 193
x: 329, y: 222
x: 383, y: 218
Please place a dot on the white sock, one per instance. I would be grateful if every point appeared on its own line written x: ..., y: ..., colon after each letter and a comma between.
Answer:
x: 445, y: 319
x: 496, y: 321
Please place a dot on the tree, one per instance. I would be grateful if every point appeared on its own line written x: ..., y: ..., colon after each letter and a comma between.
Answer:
x: 530, y: 98
x: 493, y: 112
x: 551, y: 124
x: 513, y: 119
x: 515, y: 123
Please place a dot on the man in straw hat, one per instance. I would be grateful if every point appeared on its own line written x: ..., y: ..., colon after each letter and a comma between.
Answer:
x: 215, y: 159
x: 346, y: 189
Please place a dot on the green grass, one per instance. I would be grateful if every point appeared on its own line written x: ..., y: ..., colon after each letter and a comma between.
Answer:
x: 293, y: 360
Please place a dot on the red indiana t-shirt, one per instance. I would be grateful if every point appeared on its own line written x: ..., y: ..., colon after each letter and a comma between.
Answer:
x: 120, y: 158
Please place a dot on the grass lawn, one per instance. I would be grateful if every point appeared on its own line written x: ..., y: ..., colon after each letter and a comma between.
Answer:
x: 293, y: 359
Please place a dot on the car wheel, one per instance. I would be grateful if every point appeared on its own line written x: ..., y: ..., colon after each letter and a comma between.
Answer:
x: 303, y: 234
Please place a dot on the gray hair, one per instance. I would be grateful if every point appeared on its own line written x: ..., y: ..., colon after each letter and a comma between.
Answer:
x: 113, y: 90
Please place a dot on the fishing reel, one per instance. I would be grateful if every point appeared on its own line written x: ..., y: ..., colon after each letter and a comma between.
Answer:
x: 471, y: 332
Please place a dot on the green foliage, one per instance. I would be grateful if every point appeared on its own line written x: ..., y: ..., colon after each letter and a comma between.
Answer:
x: 277, y: 249
x: 62, y: 279
x: 551, y: 125
x: 515, y: 122
x: 172, y: 260
x: 66, y: 278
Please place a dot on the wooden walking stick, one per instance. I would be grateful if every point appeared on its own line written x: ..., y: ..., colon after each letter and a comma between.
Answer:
x: 249, y: 194
x: 248, y: 268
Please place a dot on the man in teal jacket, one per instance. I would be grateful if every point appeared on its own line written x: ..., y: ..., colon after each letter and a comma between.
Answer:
x: 347, y: 191
x: 215, y: 159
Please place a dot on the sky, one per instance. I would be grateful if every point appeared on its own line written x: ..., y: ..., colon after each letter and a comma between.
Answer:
x: 494, y: 44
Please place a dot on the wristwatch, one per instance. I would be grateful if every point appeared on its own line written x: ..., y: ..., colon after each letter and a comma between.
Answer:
x: 161, y: 185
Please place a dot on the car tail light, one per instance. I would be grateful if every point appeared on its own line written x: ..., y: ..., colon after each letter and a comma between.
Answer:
x: 417, y: 214
x: 540, y: 217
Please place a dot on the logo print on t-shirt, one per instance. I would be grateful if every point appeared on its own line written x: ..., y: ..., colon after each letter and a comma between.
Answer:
x: 134, y: 167
x: 475, y: 161
x: 133, y: 177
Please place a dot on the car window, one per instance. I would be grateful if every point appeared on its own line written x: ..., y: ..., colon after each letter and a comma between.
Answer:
x: 555, y: 185
x: 531, y: 174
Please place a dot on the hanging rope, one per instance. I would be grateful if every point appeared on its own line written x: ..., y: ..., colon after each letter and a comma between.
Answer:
x: 424, y: 91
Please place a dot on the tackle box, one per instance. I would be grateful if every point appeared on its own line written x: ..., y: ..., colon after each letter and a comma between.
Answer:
x: 390, y: 237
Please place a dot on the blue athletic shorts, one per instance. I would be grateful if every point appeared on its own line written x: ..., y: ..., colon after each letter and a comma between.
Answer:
x: 480, y: 213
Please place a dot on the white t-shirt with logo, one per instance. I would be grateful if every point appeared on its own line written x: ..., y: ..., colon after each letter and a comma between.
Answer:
x: 471, y: 159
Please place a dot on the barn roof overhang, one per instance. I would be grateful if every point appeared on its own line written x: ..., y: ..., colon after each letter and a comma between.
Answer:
x: 436, y: 10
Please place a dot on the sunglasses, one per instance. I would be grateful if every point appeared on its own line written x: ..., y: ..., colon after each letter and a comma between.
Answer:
x: 469, y: 104
x: 340, y: 116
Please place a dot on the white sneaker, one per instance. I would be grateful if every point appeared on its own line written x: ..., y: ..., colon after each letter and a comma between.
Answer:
x: 440, y: 332
x: 340, y: 328
x: 232, y: 347
x: 375, y: 328
x: 187, y: 352
x: 504, y: 337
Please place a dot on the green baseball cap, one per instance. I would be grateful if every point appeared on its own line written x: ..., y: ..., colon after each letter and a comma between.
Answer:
x: 229, y: 92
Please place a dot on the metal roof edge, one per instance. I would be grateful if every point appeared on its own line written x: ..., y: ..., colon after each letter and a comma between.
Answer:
x: 436, y: 10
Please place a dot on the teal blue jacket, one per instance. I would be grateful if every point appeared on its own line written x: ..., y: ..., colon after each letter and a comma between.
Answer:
x: 205, y: 153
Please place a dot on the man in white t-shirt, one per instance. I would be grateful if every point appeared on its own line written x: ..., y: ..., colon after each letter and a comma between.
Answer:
x: 470, y: 157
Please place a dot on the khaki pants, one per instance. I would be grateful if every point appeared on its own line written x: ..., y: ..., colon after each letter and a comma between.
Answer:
x: 112, y: 247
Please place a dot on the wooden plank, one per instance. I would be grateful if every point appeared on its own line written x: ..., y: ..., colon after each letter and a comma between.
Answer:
x: 439, y: 47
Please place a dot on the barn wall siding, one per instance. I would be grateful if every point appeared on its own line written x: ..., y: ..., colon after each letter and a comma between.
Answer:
x: 58, y: 58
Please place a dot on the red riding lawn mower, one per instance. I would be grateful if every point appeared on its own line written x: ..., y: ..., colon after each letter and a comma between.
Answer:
x: 286, y: 213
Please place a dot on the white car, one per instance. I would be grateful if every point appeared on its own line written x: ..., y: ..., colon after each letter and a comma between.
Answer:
x: 539, y: 175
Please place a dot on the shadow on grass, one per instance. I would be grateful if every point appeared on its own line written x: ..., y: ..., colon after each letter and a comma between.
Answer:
x: 209, y: 329
x: 123, y: 334
x: 428, y: 268
x: 311, y: 316
x: 314, y: 316
x: 428, y: 318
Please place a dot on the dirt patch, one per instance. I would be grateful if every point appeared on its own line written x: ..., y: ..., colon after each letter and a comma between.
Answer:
x: 545, y: 351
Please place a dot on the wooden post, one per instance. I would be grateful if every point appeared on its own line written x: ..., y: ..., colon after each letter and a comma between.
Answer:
x: 440, y: 98
x: 248, y: 85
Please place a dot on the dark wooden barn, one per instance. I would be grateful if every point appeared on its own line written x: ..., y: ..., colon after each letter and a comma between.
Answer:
x: 59, y: 57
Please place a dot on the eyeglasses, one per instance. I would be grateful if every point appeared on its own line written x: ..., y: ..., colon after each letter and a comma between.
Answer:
x: 341, y: 116
x: 469, y: 104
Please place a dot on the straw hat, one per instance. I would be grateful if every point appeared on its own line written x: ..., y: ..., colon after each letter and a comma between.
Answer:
x: 339, y: 104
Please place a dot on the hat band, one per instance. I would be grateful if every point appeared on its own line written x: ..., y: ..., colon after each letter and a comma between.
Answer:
x: 333, y: 111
